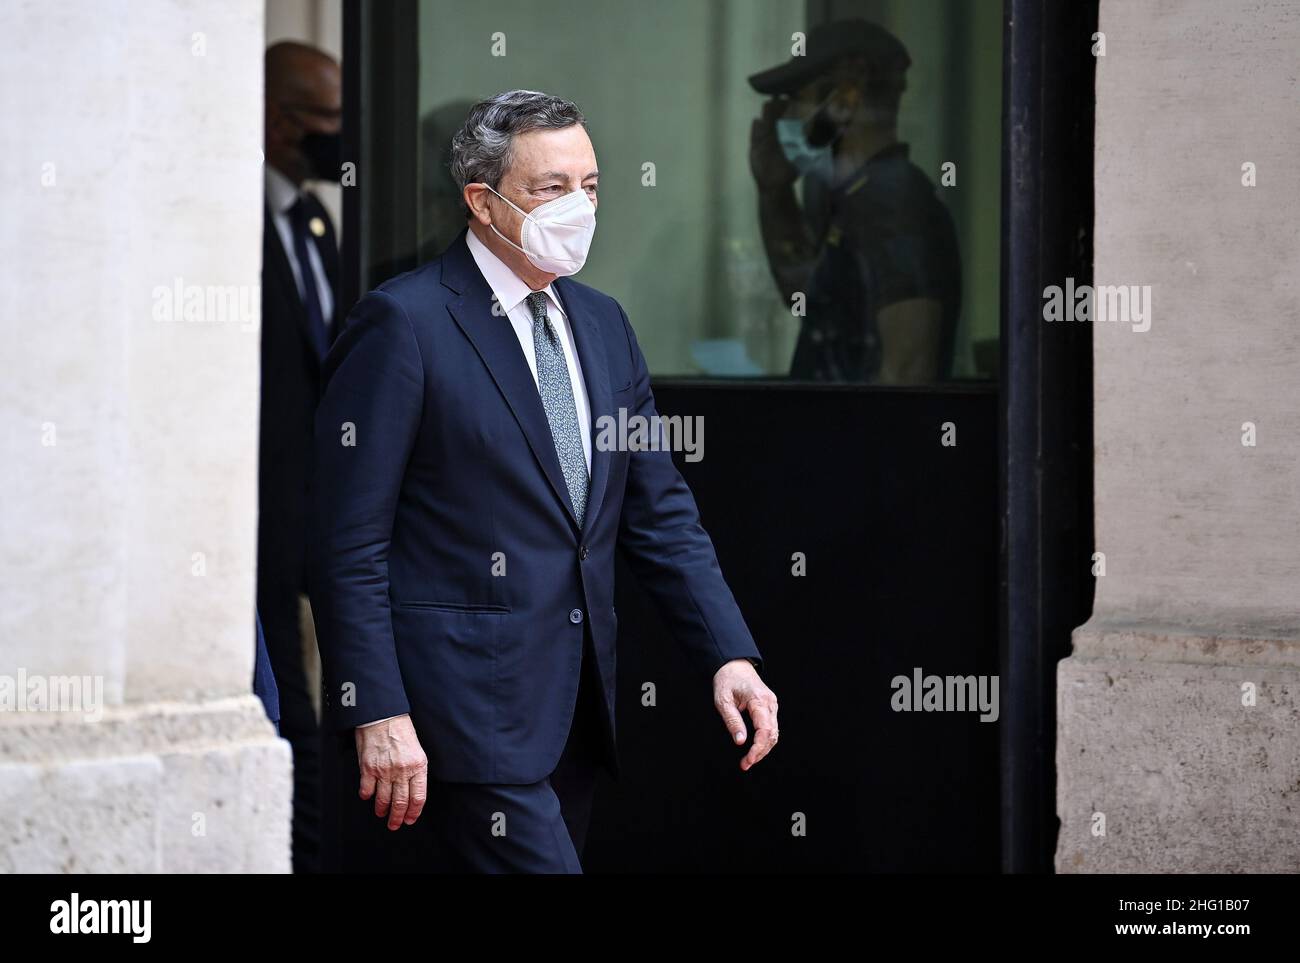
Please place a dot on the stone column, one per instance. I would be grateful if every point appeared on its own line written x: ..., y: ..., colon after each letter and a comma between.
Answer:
x: 1179, y: 710
x: 130, y: 249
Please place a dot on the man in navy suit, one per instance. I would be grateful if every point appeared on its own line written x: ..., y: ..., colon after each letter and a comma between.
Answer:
x: 465, y: 522
x: 300, y: 274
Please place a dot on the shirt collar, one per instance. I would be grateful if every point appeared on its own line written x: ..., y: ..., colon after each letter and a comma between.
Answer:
x: 854, y: 179
x: 280, y: 191
x: 509, y: 289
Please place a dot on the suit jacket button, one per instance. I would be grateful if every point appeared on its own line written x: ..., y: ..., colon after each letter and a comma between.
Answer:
x: 575, y: 616
x: 582, y: 552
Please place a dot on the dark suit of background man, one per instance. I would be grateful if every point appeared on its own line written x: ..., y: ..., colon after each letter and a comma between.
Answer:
x: 300, y: 271
x: 463, y: 579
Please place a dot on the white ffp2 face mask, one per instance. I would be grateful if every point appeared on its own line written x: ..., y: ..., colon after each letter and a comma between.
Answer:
x: 555, y: 236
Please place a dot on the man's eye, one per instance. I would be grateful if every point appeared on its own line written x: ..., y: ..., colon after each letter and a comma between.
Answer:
x: 591, y: 188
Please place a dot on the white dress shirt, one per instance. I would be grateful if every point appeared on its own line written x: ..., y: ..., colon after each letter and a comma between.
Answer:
x: 280, y: 196
x: 511, y: 293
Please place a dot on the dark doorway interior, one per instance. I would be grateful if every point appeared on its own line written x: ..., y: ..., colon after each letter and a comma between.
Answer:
x: 900, y: 538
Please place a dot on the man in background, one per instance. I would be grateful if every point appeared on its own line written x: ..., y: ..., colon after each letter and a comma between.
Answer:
x: 869, y: 245
x: 300, y: 272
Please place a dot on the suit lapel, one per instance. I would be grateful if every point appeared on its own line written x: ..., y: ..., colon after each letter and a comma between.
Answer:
x: 328, y: 248
x: 494, y: 340
x: 273, y: 252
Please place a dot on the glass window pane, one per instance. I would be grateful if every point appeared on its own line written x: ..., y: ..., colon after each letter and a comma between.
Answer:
x: 844, y: 228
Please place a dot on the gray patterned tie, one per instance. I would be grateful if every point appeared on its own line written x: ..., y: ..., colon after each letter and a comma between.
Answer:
x: 561, y: 409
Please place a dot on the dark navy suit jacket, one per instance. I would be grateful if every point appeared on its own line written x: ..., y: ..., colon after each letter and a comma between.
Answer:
x: 290, y: 391
x: 264, y: 686
x: 436, y: 472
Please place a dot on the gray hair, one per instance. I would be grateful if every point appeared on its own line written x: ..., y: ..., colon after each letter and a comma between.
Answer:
x: 480, y: 150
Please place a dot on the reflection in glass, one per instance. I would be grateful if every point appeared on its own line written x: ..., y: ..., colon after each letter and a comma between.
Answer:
x: 722, y: 199
x: 868, y: 258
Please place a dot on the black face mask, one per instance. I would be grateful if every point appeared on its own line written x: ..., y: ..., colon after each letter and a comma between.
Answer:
x: 324, y: 152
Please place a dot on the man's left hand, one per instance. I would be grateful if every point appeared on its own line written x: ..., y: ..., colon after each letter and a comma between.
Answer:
x: 736, y: 689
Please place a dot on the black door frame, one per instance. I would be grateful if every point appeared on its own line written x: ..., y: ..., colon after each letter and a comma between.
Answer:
x: 1046, y: 372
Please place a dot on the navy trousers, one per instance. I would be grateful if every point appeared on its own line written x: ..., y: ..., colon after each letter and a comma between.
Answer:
x: 473, y: 828
x: 536, y: 828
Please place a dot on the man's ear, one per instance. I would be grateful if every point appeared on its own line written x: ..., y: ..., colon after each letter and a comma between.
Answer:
x: 275, y: 122
x: 845, y: 100
x: 475, y: 197
x: 851, y: 76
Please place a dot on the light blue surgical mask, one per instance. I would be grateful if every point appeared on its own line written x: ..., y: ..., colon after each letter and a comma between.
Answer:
x: 810, y: 161
x: 807, y: 160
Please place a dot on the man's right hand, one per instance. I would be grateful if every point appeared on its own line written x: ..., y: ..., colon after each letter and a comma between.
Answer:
x: 767, y: 161
x: 394, y: 770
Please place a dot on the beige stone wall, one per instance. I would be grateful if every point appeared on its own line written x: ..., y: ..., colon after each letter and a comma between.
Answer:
x: 1199, y: 605
x: 132, y: 167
